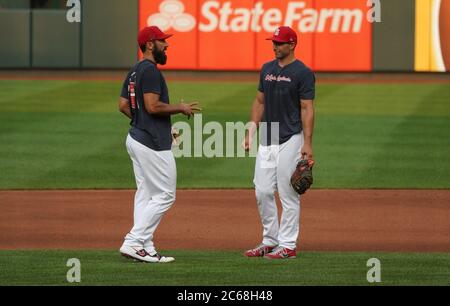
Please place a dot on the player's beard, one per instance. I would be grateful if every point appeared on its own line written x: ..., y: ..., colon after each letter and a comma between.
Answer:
x: 159, y: 56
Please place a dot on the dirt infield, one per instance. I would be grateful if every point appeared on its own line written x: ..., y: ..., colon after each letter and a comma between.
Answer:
x: 332, y: 220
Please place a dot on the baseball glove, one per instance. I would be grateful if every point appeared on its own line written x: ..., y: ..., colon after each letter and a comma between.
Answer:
x: 302, y: 178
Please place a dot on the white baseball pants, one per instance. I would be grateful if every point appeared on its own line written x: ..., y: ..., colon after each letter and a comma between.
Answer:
x: 156, y: 177
x: 274, y: 167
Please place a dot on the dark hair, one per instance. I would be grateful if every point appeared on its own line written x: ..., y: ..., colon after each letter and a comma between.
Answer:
x: 143, y: 47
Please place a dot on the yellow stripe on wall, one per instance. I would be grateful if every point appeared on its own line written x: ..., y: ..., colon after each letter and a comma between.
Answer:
x: 423, y: 35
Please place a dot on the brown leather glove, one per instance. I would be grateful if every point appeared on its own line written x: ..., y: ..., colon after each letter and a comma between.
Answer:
x: 302, y: 178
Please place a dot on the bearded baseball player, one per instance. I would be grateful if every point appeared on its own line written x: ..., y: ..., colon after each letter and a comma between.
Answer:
x: 145, y: 100
x: 284, y: 102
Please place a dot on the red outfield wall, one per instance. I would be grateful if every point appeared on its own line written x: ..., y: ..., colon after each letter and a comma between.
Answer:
x: 230, y: 35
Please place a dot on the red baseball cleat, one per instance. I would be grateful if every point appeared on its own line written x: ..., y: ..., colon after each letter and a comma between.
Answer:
x: 281, y: 253
x: 259, y: 251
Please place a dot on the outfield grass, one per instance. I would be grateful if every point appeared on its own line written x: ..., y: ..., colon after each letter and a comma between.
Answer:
x: 69, y: 134
x: 222, y: 268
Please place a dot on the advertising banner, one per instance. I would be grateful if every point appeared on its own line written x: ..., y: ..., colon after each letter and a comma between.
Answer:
x: 230, y: 35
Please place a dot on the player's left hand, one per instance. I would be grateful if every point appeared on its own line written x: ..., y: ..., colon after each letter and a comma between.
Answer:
x: 175, y: 136
x: 307, y: 152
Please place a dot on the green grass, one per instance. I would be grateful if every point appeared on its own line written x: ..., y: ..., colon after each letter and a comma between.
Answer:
x: 69, y: 134
x: 223, y: 268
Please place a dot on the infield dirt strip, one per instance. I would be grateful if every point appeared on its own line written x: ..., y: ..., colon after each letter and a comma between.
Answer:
x: 331, y: 220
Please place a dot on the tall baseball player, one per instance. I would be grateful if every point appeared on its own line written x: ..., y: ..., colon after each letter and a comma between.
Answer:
x: 145, y: 100
x: 284, y: 100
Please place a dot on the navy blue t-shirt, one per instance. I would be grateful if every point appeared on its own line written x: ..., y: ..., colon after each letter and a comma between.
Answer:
x: 283, y: 88
x: 153, y: 131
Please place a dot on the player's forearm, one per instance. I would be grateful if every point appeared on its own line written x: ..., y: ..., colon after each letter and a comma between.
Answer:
x: 124, y: 107
x: 126, y: 112
x: 256, y: 117
x: 163, y: 109
x: 308, y: 124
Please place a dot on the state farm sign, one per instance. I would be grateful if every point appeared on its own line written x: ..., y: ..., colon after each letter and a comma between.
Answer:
x: 227, y: 25
x: 228, y: 18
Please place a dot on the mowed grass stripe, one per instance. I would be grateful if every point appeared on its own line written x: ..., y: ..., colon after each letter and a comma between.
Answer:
x: 60, y: 134
x: 223, y: 268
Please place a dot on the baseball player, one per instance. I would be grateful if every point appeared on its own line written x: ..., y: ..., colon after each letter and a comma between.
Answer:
x: 284, y: 101
x: 145, y: 100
